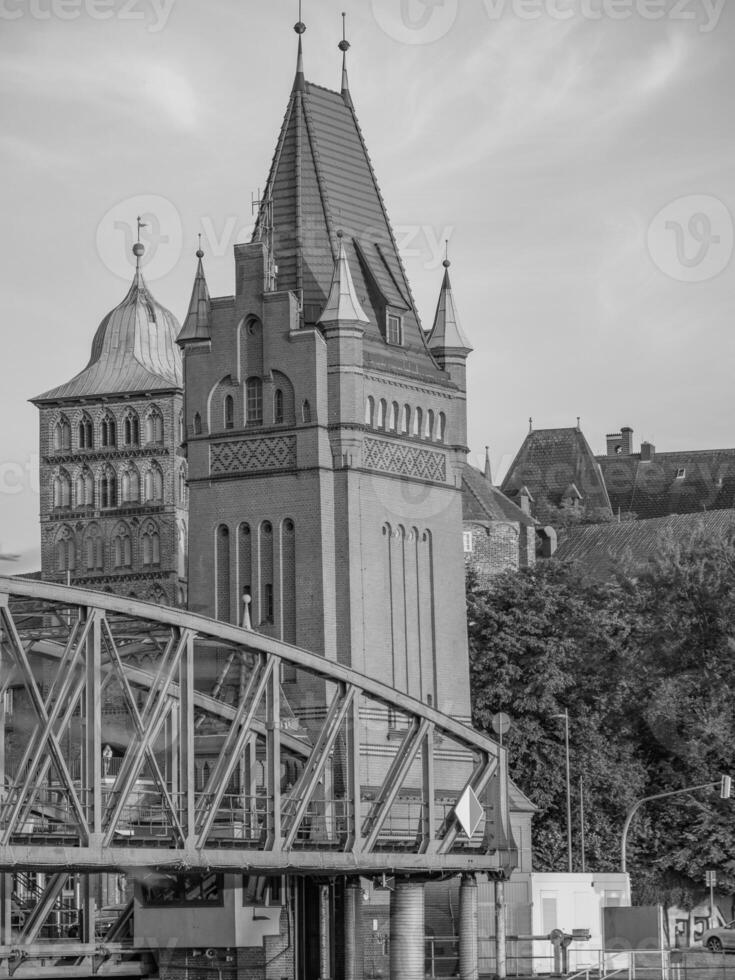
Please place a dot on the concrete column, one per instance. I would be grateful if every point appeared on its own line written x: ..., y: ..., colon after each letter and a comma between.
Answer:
x: 500, y: 969
x: 325, y: 958
x: 468, y: 960
x: 353, y: 933
x: 407, y: 930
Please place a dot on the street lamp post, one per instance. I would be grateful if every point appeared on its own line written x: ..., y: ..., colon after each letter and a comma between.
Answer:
x: 723, y: 783
x: 565, y: 716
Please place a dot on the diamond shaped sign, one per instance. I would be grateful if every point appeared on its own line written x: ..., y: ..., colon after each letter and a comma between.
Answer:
x: 469, y: 811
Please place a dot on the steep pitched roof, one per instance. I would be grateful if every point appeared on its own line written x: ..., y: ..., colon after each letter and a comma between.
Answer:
x: 549, y: 461
x: 686, y: 482
x: 134, y: 350
x: 447, y: 331
x: 322, y: 181
x: 198, y: 318
x: 603, y: 547
x: 482, y: 502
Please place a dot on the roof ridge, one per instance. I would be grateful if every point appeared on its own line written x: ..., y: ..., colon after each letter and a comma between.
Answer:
x: 321, y: 183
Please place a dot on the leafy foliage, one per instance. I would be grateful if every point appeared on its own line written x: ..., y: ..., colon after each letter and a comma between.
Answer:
x: 641, y: 664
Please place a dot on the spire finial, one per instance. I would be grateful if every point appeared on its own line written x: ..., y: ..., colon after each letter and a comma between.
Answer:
x: 300, y: 28
x: 530, y: 425
x: 488, y: 470
x: 200, y: 252
x: 139, y: 248
x: 344, y: 47
x: 446, y: 263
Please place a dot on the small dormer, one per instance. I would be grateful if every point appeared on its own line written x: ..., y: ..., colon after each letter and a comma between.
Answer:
x: 572, y: 497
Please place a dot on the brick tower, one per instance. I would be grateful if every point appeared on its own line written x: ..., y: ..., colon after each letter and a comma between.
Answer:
x: 113, y: 475
x: 326, y: 434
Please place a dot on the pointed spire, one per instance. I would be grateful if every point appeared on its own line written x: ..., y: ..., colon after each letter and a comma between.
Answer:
x: 447, y: 332
x: 344, y: 47
x: 197, y: 323
x: 299, y: 83
x: 488, y: 469
x: 342, y: 304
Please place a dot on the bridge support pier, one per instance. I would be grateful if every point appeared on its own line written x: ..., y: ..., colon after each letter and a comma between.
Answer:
x: 468, y: 960
x: 407, y: 930
x: 353, y: 932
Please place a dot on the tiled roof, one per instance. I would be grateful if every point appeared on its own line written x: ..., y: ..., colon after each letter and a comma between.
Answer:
x: 134, y: 350
x: 198, y: 319
x: 322, y: 181
x: 550, y: 461
x: 482, y: 502
x: 602, y: 547
x: 670, y: 483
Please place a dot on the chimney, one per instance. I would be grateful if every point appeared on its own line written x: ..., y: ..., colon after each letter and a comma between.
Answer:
x: 627, y: 435
x: 620, y: 443
x: 648, y: 452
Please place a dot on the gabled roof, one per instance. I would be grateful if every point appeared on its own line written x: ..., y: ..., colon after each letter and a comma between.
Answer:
x: 322, y: 181
x: 197, y: 324
x: 482, y: 502
x: 549, y: 461
x: 603, y: 547
x: 686, y: 482
x: 134, y: 350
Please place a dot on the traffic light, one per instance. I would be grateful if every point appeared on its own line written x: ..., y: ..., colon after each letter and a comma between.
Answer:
x: 725, y: 787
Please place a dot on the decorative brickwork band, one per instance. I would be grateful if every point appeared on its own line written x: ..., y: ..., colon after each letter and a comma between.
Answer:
x: 247, y: 455
x: 389, y: 457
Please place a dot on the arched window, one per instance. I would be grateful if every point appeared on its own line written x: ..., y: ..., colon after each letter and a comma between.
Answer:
x: 417, y: 419
x: 93, y: 549
x: 154, y: 426
x: 306, y: 411
x: 441, y: 428
x: 131, y: 429
x: 406, y: 419
x: 278, y: 406
x: 65, y: 551
x: 151, y: 545
x: 429, y: 432
x: 197, y: 424
x: 85, y: 489
x: 62, y: 489
x: 108, y: 488
x: 254, y: 401
x: 229, y: 412
x: 130, y: 486
x: 393, y: 417
x: 370, y: 411
x: 122, y: 547
x: 61, y: 434
x: 109, y: 431
x: 182, y: 486
x: 86, y: 432
x: 380, y: 420
x: 153, y: 484
x: 182, y: 434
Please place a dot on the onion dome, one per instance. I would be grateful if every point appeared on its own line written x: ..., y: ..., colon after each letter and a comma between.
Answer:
x: 134, y: 349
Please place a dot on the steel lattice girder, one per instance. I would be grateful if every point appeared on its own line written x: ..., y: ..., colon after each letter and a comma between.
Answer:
x: 349, y: 808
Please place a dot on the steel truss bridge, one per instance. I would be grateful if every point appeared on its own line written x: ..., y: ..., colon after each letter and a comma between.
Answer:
x: 136, y: 736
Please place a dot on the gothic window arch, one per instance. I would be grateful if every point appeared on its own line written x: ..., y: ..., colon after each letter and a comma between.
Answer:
x: 182, y: 485
x: 85, y: 488
x: 93, y: 548
x: 441, y: 427
x: 306, y: 411
x: 182, y: 434
x: 131, y: 428
x: 61, y: 434
x: 85, y: 432
x: 153, y: 484
x: 406, y: 419
x: 108, y: 488
x: 393, y: 417
x: 417, y: 421
x: 154, y: 426
x: 108, y: 430
x: 150, y: 541
x: 370, y: 411
x: 429, y: 431
x: 278, y: 406
x: 62, y: 489
x: 229, y: 412
x: 65, y: 550
x: 122, y: 547
x: 380, y: 418
x: 254, y: 401
x: 130, y: 485
x: 197, y: 424
x: 284, y: 412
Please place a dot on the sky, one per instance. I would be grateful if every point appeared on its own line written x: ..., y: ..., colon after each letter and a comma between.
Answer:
x: 578, y: 156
